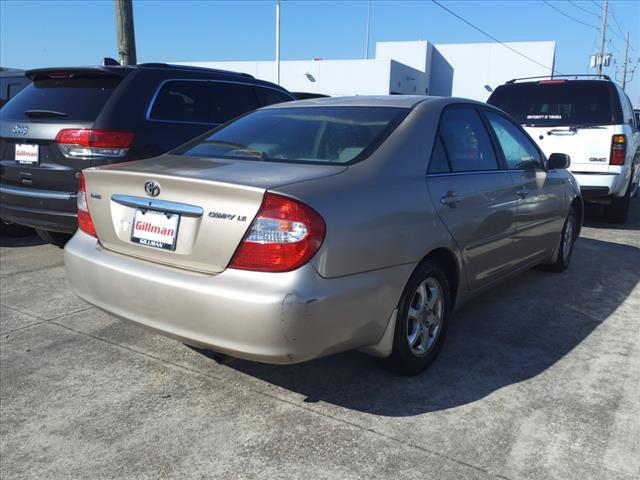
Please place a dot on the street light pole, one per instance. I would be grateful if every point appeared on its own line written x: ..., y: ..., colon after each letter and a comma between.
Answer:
x: 278, y: 42
x: 366, y: 53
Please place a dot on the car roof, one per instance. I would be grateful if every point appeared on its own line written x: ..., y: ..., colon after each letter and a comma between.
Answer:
x: 400, y: 101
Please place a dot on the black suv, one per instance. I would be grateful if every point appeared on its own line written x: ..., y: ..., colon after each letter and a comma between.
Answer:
x: 69, y: 119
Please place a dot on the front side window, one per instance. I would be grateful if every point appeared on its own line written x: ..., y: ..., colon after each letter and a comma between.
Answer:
x: 302, y: 134
x: 466, y: 141
x: 519, y: 152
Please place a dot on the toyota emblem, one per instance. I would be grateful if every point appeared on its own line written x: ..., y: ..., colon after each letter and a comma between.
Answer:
x: 152, y: 188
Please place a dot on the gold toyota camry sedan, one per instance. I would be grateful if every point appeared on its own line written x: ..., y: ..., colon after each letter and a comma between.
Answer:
x: 314, y: 227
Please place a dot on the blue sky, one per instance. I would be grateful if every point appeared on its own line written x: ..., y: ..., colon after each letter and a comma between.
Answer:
x: 55, y: 33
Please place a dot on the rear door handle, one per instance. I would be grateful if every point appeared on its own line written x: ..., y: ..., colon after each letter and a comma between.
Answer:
x: 450, y: 199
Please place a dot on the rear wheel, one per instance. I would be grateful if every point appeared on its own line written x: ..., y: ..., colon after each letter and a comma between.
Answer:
x: 618, y: 210
x: 58, y: 239
x: 423, y: 315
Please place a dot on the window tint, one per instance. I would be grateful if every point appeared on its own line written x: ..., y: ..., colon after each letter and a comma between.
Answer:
x: 80, y: 98
x: 565, y: 103
x: 519, y: 152
x: 202, y: 102
x: 439, y: 162
x: 269, y: 96
x: 229, y: 100
x: 14, y: 88
x: 302, y: 134
x: 466, y: 141
x: 182, y: 101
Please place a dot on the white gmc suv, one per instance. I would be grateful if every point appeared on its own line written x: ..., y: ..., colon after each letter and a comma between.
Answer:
x: 592, y: 121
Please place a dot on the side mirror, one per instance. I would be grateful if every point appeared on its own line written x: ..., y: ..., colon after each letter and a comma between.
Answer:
x: 559, y: 161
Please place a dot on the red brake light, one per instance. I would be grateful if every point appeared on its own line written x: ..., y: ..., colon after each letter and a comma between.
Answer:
x: 284, y: 236
x: 548, y: 82
x: 618, y: 150
x: 94, y: 138
x: 85, y: 223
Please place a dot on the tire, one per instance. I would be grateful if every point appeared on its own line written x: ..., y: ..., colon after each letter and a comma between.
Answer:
x: 14, y: 230
x: 58, y: 239
x: 618, y: 210
x: 567, y: 242
x: 424, y: 311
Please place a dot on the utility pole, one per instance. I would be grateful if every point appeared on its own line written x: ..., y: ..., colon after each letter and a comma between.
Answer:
x: 626, y: 60
x: 278, y: 42
x: 600, y: 59
x: 366, y: 52
x: 125, y: 33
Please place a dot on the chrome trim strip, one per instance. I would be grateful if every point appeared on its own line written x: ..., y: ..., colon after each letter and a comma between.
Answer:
x: 157, y: 92
x: 33, y: 193
x: 183, y: 209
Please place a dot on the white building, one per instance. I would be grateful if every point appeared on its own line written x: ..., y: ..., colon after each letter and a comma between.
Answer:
x: 416, y: 68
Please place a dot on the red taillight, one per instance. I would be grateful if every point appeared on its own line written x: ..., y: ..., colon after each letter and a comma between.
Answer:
x: 550, y: 82
x: 284, y: 236
x: 618, y: 150
x: 93, y: 143
x: 95, y: 138
x: 85, y: 223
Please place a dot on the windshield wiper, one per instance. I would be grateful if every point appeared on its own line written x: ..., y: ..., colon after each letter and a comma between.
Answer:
x: 44, y: 113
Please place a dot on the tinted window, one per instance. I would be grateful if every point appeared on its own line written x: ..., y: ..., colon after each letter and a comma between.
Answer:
x: 182, y: 101
x: 519, y: 151
x: 14, y: 88
x: 439, y: 162
x: 564, y: 103
x: 466, y: 141
x: 202, y: 102
x: 269, y: 96
x: 229, y: 100
x: 303, y: 134
x: 80, y: 98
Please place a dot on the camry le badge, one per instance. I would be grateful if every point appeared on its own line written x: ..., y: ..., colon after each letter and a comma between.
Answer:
x: 19, y: 129
x: 152, y: 188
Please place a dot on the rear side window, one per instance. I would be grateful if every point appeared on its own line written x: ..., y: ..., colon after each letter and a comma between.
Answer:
x: 269, y: 96
x: 439, y: 162
x: 302, y: 134
x: 466, y: 141
x: 519, y: 152
x: 77, y: 98
x: 557, y: 104
x: 202, y: 101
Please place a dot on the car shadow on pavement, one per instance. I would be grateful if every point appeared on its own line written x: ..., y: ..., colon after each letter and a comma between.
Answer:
x: 26, y: 241
x: 512, y: 333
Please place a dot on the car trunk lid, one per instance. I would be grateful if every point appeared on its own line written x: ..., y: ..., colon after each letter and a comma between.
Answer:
x: 206, y: 206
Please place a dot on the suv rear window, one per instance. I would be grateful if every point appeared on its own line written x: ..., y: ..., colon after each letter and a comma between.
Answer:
x: 556, y: 104
x: 80, y: 99
x: 302, y: 134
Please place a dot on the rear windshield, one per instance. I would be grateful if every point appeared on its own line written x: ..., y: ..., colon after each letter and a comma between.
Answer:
x: 302, y: 134
x: 71, y: 98
x: 556, y: 104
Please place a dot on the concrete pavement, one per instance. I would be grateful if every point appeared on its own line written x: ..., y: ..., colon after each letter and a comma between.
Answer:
x: 539, y: 379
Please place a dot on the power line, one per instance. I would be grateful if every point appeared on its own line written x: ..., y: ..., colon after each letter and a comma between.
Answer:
x: 597, y: 5
x: 584, y: 9
x: 493, y: 38
x: 569, y: 16
x: 621, y: 36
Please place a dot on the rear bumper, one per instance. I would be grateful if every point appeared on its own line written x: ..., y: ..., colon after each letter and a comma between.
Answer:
x: 271, y: 317
x: 594, y: 185
x: 44, y: 209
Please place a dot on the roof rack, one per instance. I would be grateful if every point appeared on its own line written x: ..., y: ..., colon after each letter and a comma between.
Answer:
x: 191, y: 67
x: 553, y: 77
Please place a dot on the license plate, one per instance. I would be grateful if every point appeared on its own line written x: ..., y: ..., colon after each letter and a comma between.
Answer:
x: 155, y: 229
x: 26, y: 153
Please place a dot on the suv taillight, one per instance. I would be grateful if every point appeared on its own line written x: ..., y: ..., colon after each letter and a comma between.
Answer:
x: 284, y: 236
x: 85, y: 223
x: 618, y: 150
x: 93, y: 143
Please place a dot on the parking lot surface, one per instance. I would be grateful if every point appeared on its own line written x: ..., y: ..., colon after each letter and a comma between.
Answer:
x: 539, y: 378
